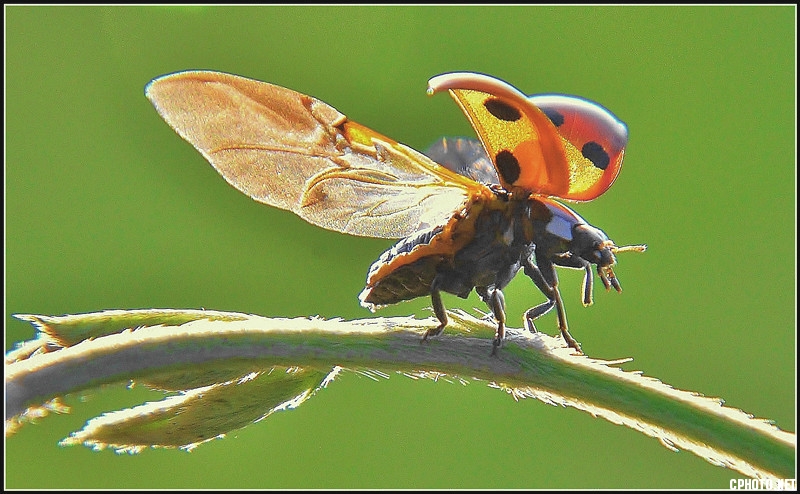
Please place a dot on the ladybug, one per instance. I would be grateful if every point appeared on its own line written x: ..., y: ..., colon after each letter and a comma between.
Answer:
x: 470, y: 213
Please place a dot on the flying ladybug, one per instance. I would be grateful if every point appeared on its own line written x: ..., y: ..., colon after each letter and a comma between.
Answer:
x: 470, y: 214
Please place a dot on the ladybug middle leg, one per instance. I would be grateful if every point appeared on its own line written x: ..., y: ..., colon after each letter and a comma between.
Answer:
x: 494, y: 298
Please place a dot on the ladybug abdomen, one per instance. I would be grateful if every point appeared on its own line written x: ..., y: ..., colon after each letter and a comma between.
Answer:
x: 405, y: 271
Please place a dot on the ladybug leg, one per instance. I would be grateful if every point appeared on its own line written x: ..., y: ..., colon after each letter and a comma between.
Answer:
x: 483, y: 293
x: 438, y: 310
x: 545, y: 278
x: 536, y: 312
x: 588, y: 281
x: 535, y: 274
x: 494, y: 298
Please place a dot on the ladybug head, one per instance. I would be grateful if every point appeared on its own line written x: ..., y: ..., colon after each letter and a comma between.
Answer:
x: 592, y: 245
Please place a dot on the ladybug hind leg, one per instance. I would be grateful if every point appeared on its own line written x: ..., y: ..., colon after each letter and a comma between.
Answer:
x: 441, y: 315
x: 438, y: 310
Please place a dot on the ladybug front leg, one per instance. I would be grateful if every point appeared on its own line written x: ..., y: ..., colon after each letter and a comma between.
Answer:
x: 494, y: 298
x: 545, y: 278
x: 588, y: 281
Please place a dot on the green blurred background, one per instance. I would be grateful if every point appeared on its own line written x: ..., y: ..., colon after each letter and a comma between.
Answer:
x: 106, y: 207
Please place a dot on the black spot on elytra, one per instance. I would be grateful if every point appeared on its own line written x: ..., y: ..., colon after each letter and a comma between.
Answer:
x: 554, y: 116
x: 501, y: 110
x: 595, y: 153
x: 507, y: 166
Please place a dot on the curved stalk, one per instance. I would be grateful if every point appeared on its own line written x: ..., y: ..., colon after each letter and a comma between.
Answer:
x: 186, y: 350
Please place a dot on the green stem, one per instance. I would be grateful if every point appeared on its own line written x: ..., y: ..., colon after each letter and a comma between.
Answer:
x: 528, y: 365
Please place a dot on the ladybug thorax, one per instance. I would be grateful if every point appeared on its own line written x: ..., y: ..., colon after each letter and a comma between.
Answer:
x: 501, y: 228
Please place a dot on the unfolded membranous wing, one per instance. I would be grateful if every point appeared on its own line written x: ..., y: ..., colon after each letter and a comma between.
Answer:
x: 292, y: 151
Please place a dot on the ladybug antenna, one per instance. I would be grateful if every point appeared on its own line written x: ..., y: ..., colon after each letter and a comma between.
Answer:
x: 628, y: 248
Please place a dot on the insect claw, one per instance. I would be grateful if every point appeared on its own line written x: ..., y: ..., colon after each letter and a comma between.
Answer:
x: 571, y: 342
x: 432, y: 332
x: 495, y: 345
